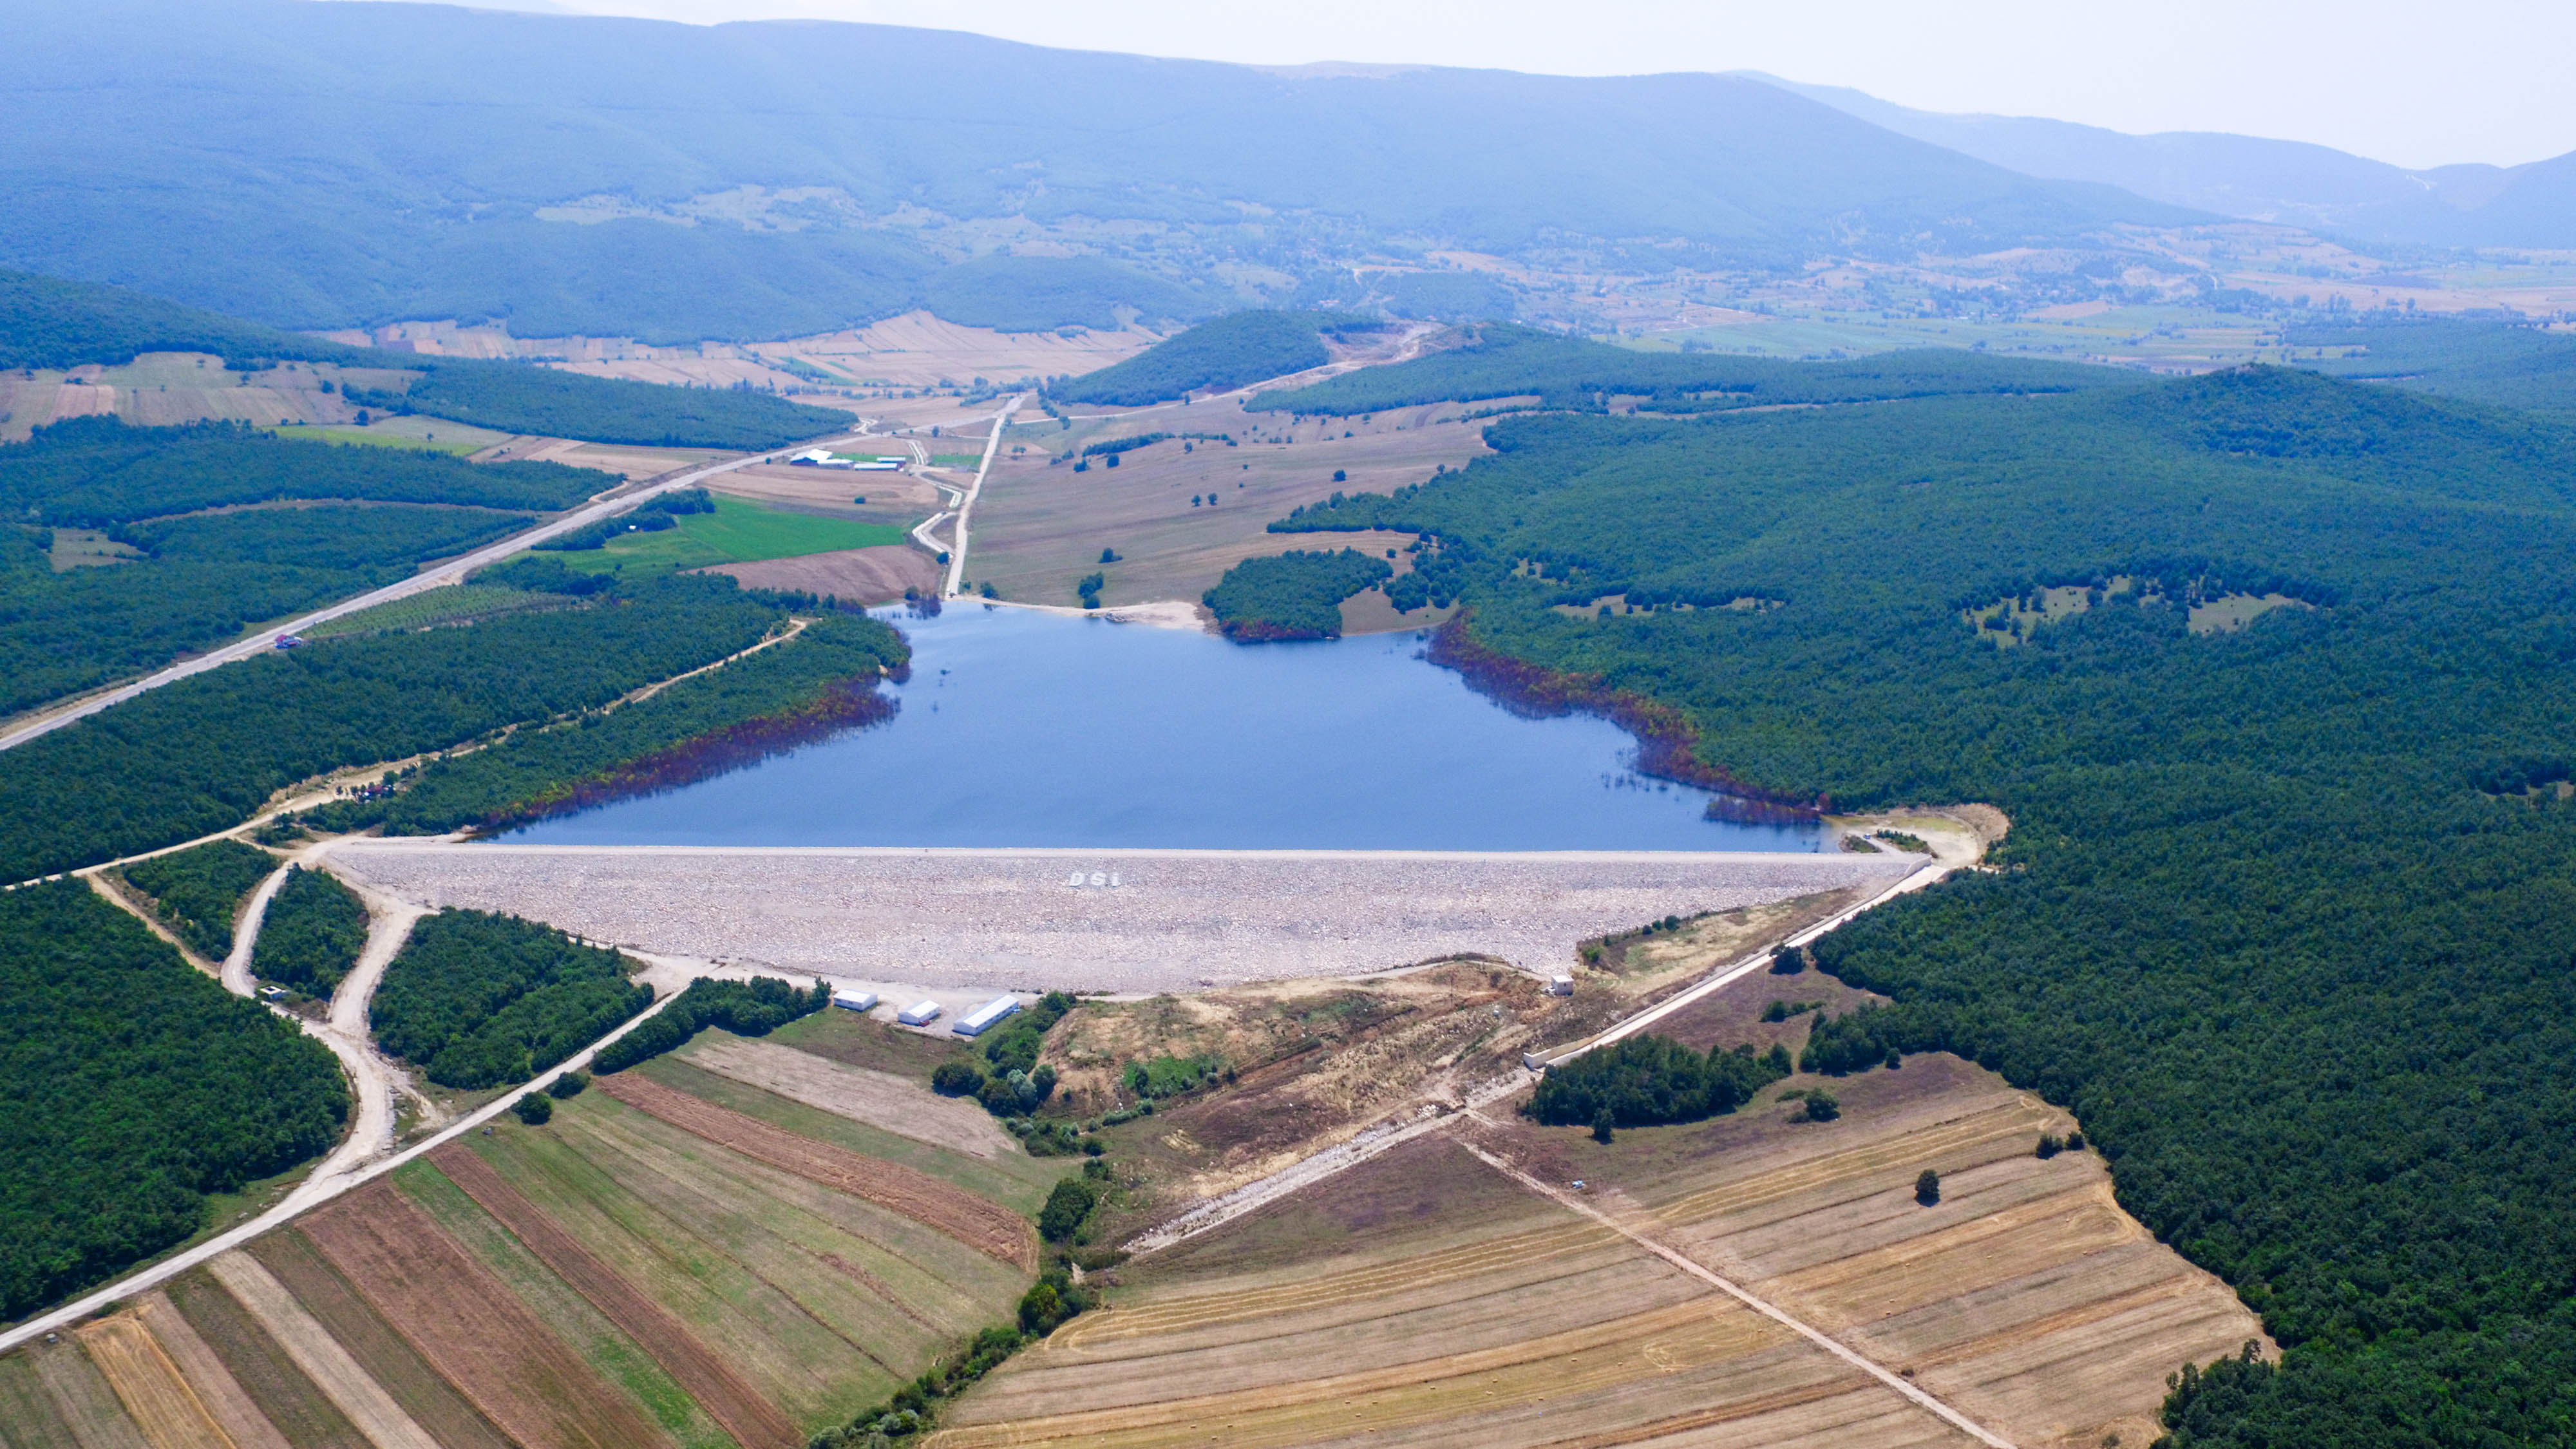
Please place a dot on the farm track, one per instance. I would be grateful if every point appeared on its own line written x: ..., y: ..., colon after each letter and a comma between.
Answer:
x: 470, y: 1327
x: 983, y: 1225
x: 751, y: 1420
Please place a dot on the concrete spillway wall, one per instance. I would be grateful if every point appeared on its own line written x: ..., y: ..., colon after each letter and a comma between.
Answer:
x: 1090, y: 920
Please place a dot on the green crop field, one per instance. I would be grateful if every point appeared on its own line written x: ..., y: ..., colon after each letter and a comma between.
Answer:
x: 368, y: 438
x: 737, y: 532
x: 452, y: 604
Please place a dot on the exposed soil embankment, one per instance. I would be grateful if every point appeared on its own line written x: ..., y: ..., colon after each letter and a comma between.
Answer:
x: 1667, y: 745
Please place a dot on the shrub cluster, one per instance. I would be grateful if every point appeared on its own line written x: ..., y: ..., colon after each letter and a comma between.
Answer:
x: 313, y: 933
x: 477, y: 999
x: 1646, y: 1080
x: 747, y: 1008
x: 196, y: 891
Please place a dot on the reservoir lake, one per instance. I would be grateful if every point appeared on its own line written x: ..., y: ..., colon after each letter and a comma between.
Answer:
x: 1019, y: 728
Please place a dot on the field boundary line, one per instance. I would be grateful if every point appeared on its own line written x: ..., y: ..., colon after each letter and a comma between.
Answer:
x: 1919, y: 1397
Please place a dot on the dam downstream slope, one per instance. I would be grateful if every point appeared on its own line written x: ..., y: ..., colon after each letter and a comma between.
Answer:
x: 1102, y: 920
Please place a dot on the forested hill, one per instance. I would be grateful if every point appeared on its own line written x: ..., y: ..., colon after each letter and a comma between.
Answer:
x: 2510, y: 364
x: 2288, y: 911
x: 1243, y: 347
x: 584, y: 174
x: 1501, y: 360
x: 48, y: 322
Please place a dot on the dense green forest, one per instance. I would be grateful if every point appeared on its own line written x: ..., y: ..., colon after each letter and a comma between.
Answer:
x: 1570, y: 372
x: 479, y: 1000
x: 746, y: 1008
x: 518, y: 397
x: 1291, y: 596
x: 1645, y: 1080
x: 1240, y: 348
x: 135, y: 1086
x: 312, y: 934
x: 196, y: 891
x: 98, y: 473
x: 822, y: 680
x: 2508, y: 364
x: 47, y: 322
x: 200, y: 754
x: 2280, y: 917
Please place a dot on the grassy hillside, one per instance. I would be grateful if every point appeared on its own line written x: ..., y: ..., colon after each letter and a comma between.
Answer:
x: 1569, y: 372
x: 2285, y: 911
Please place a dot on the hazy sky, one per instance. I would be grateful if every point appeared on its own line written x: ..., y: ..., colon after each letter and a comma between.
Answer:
x: 2419, y: 84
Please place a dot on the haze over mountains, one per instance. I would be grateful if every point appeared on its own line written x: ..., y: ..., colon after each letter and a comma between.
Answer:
x: 2290, y: 182
x: 333, y: 165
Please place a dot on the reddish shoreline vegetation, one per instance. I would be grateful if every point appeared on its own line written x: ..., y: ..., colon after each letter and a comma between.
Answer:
x: 1667, y: 743
x: 819, y: 682
x: 850, y: 704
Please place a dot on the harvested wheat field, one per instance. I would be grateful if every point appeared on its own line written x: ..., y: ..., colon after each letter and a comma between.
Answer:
x: 882, y: 1099
x: 1430, y: 1297
x: 977, y: 1222
x: 876, y: 575
x: 1425, y: 1299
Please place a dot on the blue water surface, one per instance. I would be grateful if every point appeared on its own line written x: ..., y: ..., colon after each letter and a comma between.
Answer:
x: 1027, y: 729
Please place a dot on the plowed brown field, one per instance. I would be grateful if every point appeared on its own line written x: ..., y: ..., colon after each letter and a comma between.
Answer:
x: 985, y: 1226
x: 753, y: 1421
x: 432, y: 1402
x: 471, y: 1328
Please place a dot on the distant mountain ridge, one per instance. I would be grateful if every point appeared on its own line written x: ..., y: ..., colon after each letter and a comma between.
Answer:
x: 2294, y: 183
x: 327, y: 165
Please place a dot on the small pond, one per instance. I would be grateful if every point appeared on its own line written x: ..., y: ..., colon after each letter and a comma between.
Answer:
x: 1025, y: 729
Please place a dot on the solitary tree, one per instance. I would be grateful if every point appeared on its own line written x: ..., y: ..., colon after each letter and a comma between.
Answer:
x: 1603, y: 1128
x: 1927, y: 1188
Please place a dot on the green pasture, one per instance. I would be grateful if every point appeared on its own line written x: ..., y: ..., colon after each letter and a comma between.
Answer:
x: 737, y: 532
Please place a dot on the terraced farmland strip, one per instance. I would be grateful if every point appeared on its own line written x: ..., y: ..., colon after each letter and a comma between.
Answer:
x: 88, y: 1405
x: 610, y: 1353
x: 1199, y: 1310
x: 753, y: 1421
x: 1895, y: 1153
x: 471, y: 1328
x: 28, y: 1411
x: 156, y: 1398
x: 985, y: 1226
x: 1602, y: 1358
x: 351, y: 1389
x: 689, y: 1243
x: 432, y: 1401
x: 1942, y: 1262
x: 289, y: 1400
x: 223, y: 1397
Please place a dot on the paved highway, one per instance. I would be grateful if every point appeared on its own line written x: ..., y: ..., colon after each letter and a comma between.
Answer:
x: 446, y: 573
